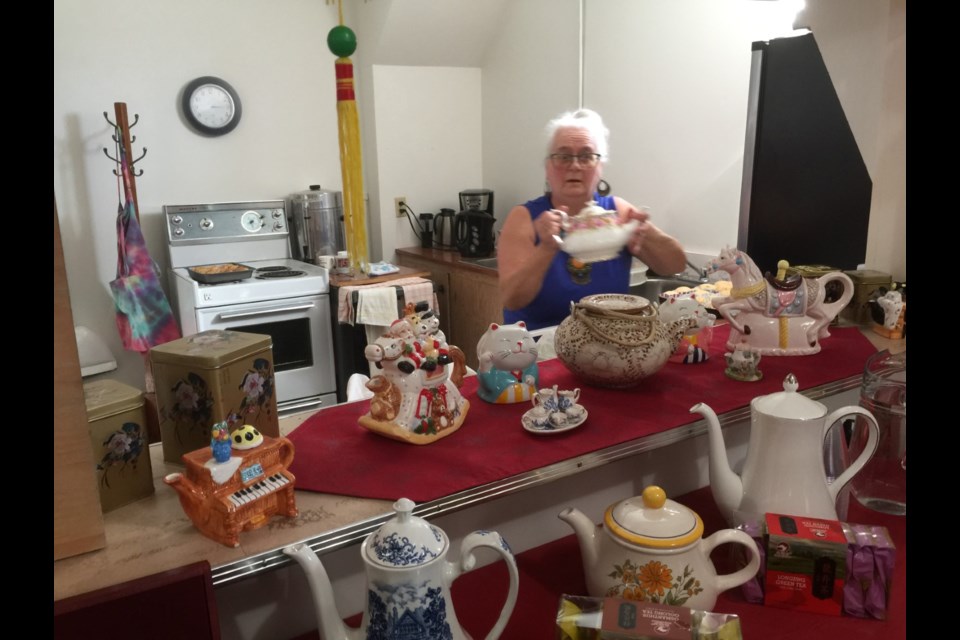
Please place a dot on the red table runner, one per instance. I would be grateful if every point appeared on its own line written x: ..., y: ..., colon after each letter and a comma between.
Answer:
x: 334, y: 454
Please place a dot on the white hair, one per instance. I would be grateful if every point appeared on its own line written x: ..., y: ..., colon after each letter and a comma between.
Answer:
x: 586, y: 119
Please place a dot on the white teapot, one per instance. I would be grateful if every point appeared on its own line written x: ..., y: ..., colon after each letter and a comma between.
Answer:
x: 784, y: 470
x: 595, y: 234
x: 408, y: 581
x: 651, y: 548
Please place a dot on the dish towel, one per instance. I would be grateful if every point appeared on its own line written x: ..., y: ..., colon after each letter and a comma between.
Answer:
x: 377, y: 305
x: 345, y: 310
x: 420, y: 292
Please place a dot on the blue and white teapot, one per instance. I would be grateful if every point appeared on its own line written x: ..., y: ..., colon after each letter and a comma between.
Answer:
x: 408, y: 581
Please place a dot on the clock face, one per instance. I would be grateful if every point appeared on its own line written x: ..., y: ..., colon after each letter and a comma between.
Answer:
x: 211, y: 106
x: 251, y: 221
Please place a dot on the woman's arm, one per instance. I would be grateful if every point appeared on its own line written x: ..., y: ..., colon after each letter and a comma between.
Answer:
x: 656, y: 249
x: 521, y: 262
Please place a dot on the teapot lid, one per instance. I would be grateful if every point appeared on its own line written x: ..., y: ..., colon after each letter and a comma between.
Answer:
x: 651, y: 520
x: 405, y: 540
x: 789, y: 404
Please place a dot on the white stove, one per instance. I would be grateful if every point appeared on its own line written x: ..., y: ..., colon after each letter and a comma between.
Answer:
x: 271, y: 279
x: 284, y: 298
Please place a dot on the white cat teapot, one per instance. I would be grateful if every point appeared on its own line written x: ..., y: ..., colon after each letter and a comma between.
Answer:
x: 408, y: 581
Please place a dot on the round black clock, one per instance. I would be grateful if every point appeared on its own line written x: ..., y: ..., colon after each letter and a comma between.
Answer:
x: 211, y: 106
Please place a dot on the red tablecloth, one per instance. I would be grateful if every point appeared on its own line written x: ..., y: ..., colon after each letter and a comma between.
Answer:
x: 548, y: 571
x: 334, y: 454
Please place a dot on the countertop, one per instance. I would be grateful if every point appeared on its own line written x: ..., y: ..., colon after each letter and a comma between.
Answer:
x: 449, y: 259
x: 337, y: 280
x: 153, y: 534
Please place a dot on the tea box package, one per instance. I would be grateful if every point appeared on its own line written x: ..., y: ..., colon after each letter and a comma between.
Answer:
x: 870, y: 562
x: 118, y: 435
x: 210, y: 377
x: 585, y: 618
x: 806, y: 563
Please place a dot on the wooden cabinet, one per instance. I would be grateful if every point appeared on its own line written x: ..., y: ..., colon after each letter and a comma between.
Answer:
x: 468, y: 296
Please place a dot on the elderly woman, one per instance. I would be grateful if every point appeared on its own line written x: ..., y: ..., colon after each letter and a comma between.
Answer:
x: 537, y: 279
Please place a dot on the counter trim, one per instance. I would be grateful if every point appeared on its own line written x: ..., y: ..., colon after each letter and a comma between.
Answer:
x: 355, y: 533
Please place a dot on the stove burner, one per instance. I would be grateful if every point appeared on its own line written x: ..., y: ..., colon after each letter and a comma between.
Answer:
x: 277, y: 268
x: 278, y: 272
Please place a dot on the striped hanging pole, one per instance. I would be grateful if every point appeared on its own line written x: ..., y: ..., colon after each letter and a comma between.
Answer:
x: 342, y: 42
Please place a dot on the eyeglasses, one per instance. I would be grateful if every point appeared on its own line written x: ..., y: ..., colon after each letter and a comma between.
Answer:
x: 561, y: 160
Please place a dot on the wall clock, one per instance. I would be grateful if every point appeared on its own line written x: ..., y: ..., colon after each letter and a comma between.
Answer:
x: 211, y: 106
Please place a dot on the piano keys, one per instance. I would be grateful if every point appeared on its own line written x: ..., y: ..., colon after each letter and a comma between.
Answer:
x: 223, y: 499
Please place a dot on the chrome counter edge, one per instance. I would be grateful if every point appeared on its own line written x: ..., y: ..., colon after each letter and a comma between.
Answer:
x: 356, y: 532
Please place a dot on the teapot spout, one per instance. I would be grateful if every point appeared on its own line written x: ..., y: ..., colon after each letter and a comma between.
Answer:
x: 586, y: 534
x: 328, y: 619
x: 727, y: 487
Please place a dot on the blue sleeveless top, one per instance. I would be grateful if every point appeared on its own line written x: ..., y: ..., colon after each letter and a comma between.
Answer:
x: 567, y: 281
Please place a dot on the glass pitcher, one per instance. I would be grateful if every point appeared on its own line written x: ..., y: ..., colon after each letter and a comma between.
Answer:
x: 882, y: 484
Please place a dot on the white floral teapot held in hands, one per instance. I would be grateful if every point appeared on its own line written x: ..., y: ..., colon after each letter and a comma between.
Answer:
x: 595, y: 233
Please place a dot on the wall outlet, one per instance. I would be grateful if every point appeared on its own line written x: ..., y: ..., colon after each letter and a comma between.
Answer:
x: 399, y: 200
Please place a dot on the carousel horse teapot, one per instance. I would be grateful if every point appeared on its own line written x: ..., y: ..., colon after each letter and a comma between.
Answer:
x: 781, y: 316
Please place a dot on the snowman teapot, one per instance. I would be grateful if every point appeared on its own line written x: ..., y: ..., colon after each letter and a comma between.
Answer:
x: 408, y: 581
x: 784, y: 470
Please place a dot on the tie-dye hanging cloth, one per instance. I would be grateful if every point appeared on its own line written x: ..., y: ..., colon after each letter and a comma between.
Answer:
x: 144, y: 316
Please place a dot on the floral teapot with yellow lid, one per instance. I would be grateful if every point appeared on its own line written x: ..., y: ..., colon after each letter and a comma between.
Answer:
x: 408, y: 581
x: 595, y: 233
x: 651, y: 548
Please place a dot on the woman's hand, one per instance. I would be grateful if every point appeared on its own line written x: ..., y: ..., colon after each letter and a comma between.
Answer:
x: 636, y: 242
x: 658, y: 250
x: 548, y: 226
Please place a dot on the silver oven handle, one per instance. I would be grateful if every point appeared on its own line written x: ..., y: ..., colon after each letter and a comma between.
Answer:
x: 264, y: 312
x: 300, y: 405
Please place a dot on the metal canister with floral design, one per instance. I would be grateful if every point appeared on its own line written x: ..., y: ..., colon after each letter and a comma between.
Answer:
x: 210, y: 377
x: 118, y: 435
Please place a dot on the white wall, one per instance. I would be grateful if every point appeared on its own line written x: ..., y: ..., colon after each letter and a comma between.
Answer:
x: 429, y: 142
x: 530, y: 74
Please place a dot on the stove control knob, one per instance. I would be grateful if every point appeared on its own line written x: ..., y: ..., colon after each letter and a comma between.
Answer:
x: 176, y: 219
x: 178, y: 231
x: 277, y: 226
x: 277, y: 213
x: 206, y: 224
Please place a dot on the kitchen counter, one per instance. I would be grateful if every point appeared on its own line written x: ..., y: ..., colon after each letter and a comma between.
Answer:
x: 448, y: 259
x: 154, y: 534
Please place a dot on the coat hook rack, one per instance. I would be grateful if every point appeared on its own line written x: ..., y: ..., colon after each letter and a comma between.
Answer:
x: 122, y: 136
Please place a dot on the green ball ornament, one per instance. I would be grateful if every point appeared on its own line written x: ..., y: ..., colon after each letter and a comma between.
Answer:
x: 342, y: 41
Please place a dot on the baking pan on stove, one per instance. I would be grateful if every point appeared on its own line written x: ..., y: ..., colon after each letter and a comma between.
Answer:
x: 220, y: 272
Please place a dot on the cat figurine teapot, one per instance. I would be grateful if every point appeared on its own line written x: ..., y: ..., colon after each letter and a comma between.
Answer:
x: 784, y: 471
x: 508, y: 370
x: 408, y: 581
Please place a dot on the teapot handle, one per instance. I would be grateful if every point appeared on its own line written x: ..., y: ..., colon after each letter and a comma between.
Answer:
x: 468, y: 561
x: 873, y: 439
x: 737, y: 578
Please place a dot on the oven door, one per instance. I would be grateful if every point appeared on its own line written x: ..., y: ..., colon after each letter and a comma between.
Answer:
x: 302, y: 345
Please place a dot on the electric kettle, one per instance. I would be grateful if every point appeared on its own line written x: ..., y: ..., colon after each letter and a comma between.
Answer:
x: 473, y: 231
x: 443, y: 232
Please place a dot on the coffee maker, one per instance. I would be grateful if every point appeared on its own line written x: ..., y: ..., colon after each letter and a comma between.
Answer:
x: 473, y: 226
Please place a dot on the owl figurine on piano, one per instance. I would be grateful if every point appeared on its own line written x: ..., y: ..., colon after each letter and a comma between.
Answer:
x: 224, y: 495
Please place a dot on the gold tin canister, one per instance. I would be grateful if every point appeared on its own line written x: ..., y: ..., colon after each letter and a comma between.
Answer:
x: 211, y: 377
